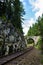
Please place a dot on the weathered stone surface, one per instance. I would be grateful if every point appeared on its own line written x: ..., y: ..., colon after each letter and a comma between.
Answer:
x: 11, y: 36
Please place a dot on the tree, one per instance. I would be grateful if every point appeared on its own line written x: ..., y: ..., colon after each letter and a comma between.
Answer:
x: 40, y: 24
x: 2, y: 8
x: 30, y: 41
x: 34, y: 30
x: 18, y: 14
x: 12, y: 11
x: 15, y: 12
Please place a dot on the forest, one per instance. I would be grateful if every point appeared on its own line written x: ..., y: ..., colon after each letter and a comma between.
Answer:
x: 12, y: 39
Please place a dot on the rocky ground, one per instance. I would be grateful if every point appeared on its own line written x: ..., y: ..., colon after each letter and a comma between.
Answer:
x: 30, y: 58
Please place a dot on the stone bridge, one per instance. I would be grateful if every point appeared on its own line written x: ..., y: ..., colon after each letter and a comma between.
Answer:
x: 35, y: 38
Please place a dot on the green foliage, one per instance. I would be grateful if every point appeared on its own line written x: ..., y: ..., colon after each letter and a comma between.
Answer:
x: 39, y: 44
x: 40, y: 24
x: 37, y: 30
x: 13, y: 11
x: 30, y: 41
x: 41, y: 61
x: 18, y: 14
x: 34, y: 30
x: 2, y: 8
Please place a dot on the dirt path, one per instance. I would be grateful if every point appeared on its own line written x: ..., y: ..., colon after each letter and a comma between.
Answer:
x: 30, y: 58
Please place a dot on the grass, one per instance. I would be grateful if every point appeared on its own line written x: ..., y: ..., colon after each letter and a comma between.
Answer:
x: 41, y: 60
x: 41, y: 55
x: 28, y: 45
x: 38, y: 47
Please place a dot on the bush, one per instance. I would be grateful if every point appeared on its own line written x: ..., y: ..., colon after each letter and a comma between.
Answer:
x: 30, y: 41
x: 39, y: 43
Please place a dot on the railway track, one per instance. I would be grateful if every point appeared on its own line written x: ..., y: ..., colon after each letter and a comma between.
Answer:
x: 7, y: 59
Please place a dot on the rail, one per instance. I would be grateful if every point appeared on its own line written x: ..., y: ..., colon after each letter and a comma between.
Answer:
x: 8, y: 58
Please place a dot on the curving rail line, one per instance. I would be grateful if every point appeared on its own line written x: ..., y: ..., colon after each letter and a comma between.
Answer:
x: 8, y: 58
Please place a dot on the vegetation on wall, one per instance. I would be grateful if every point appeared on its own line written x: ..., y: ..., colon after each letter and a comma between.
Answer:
x: 11, y: 11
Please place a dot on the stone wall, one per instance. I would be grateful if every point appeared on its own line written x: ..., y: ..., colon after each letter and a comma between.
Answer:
x: 10, y: 36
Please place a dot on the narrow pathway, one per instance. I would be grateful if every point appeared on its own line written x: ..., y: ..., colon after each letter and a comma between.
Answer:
x: 9, y: 58
x: 30, y: 58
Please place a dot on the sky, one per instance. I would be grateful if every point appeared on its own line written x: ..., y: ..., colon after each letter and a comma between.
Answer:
x: 33, y: 9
